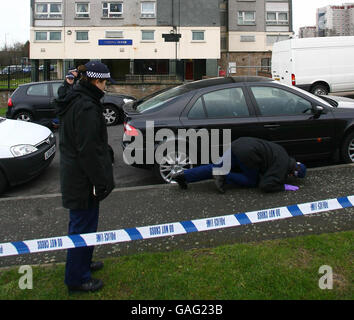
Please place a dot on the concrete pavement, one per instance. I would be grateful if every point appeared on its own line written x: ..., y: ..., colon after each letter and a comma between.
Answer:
x: 39, y: 216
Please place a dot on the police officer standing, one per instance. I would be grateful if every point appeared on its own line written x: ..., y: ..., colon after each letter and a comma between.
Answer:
x: 86, y: 172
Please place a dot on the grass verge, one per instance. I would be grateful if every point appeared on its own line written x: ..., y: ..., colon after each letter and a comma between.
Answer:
x: 283, y: 269
x: 3, y: 112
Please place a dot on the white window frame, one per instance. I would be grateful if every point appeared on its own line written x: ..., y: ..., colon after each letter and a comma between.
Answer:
x: 241, y: 15
x: 114, y: 34
x: 79, y: 14
x: 48, y: 14
x: 119, y: 14
x: 76, y: 33
x: 277, y: 21
x: 48, y: 35
x: 148, y: 14
x: 199, y: 31
x: 148, y: 40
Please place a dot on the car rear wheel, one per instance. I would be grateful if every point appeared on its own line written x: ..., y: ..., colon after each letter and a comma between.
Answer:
x: 24, y: 116
x: 3, y: 182
x: 112, y: 115
x: 171, y: 164
x: 348, y: 148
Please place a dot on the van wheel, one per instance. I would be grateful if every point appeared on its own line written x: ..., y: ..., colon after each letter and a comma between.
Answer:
x: 347, y: 150
x: 3, y: 182
x: 320, y: 90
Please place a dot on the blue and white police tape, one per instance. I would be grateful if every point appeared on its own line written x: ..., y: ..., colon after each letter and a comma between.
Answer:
x: 172, y: 229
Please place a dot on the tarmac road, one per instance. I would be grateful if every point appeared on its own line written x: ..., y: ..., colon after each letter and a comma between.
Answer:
x: 49, y: 181
x: 35, y: 217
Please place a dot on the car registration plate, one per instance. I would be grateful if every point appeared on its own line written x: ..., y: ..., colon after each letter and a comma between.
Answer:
x: 49, y: 153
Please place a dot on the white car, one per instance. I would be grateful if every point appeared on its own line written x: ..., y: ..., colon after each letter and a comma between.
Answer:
x: 26, y: 149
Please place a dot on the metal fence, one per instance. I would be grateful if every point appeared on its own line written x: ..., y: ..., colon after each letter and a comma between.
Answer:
x: 13, y: 76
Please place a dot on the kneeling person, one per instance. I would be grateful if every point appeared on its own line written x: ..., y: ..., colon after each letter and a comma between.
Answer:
x: 258, y: 163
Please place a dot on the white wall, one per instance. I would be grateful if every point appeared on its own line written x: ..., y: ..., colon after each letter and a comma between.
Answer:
x: 69, y: 48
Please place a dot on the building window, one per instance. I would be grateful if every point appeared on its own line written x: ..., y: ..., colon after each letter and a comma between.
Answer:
x: 247, y: 17
x: 48, y: 11
x: 147, y: 35
x: 112, y: 9
x: 114, y: 34
x: 248, y: 39
x: 198, y: 36
x: 82, y: 36
x: 48, y: 35
x: 82, y: 10
x: 277, y: 18
x: 148, y: 10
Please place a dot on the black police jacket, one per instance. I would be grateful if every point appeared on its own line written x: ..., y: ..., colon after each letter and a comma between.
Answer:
x: 64, y: 89
x: 271, y: 159
x: 85, y: 160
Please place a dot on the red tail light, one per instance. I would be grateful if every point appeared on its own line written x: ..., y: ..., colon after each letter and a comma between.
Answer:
x: 130, y: 130
x: 9, y: 103
x: 293, y: 81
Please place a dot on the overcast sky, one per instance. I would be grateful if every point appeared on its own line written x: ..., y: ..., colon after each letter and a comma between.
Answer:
x: 15, y: 17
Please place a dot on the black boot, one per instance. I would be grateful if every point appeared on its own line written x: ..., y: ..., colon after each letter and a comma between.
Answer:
x: 220, y: 182
x: 89, y: 286
x: 180, y: 179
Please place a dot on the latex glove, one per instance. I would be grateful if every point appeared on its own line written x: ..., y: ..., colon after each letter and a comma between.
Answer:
x: 289, y: 187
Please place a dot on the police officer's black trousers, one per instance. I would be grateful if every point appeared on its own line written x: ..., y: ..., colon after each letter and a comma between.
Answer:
x: 77, y: 270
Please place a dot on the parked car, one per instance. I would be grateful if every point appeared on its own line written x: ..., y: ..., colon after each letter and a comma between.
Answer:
x: 26, y: 149
x: 308, y: 126
x: 11, y: 69
x: 27, y: 69
x: 41, y: 67
x: 32, y: 102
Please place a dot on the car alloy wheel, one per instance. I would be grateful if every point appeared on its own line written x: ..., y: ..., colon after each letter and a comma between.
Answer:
x: 111, y: 115
x: 351, y: 150
x: 24, y: 116
x: 173, y: 163
x: 348, y: 149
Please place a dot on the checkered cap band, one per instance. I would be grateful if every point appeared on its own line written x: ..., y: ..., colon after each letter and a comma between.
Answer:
x: 98, y: 75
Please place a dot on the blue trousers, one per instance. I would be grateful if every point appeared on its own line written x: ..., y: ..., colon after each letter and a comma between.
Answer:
x: 246, y: 178
x: 78, y: 261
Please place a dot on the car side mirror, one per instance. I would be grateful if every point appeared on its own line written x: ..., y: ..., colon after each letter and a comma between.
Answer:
x: 318, y: 110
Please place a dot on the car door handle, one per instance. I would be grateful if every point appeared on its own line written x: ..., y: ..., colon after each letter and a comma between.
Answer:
x: 271, y: 126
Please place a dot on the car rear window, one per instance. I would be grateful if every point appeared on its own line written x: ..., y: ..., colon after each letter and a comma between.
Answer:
x: 38, y: 90
x: 162, y: 98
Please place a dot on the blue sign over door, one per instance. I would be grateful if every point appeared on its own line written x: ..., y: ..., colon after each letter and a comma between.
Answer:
x: 115, y: 42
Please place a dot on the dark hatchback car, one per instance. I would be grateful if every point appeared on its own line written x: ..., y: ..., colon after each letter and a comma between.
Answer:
x: 308, y: 126
x: 32, y: 102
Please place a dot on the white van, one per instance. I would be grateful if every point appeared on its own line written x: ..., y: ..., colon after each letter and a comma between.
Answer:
x: 318, y: 65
